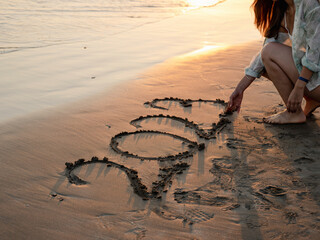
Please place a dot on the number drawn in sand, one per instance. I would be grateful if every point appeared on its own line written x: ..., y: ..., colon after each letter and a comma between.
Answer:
x: 167, y: 173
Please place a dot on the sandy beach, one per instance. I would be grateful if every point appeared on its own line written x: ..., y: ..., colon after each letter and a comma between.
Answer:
x: 183, y: 176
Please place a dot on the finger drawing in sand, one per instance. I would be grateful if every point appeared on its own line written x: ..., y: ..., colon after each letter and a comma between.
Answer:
x: 289, y: 57
x: 167, y: 173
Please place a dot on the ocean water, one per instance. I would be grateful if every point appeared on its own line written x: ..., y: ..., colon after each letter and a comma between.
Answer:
x: 57, y: 52
x: 40, y: 23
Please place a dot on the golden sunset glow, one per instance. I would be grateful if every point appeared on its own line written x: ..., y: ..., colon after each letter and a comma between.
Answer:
x: 204, y: 50
x: 202, y: 3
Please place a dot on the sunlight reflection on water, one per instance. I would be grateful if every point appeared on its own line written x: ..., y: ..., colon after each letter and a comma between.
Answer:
x: 32, y: 23
x: 202, y: 3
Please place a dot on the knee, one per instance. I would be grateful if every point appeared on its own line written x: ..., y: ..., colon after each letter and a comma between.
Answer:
x: 268, y: 51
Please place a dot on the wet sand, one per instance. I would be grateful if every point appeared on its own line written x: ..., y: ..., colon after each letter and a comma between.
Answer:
x: 249, y: 181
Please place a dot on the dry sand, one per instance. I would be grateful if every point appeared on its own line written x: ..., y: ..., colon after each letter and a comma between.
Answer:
x: 253, y: 181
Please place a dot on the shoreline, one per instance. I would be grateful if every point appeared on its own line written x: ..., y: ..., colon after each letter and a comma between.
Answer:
x: 37, y: 79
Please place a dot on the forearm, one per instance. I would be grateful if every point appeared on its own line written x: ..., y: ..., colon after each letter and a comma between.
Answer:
x: 244, y: 83
x: 296, y: 96
x: 306, y: 74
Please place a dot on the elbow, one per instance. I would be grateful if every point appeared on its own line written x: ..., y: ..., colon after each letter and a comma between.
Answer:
x: 311, y: 64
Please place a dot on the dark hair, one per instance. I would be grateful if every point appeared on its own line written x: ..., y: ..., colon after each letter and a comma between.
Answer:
x: 268, y: 16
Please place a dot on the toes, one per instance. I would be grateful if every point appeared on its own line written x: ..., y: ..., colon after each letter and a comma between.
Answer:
x: 274, y: 119
x: 267, y: 120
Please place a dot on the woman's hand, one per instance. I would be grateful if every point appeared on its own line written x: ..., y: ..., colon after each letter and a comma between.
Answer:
x: 295, y: 98
x: 236, y: 97
x: 296, y: 95
x: 235, y: 101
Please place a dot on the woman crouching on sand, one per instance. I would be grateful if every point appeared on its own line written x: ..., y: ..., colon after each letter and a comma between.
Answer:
x: 294, y: 70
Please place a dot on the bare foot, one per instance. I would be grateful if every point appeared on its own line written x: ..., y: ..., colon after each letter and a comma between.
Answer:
x: 311, y: 105
x: 286, y: 117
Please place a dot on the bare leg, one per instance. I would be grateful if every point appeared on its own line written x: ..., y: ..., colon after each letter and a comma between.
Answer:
x: 311, y: 105
x: 281, y: 70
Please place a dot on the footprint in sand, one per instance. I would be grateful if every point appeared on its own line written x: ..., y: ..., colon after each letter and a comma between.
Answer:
x: 274, y: 191
x: 130, y: 223
x: 188, y: 215
x: 304, y: 160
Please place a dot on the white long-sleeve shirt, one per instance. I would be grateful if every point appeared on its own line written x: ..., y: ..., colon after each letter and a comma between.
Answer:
x: 305, y: 42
